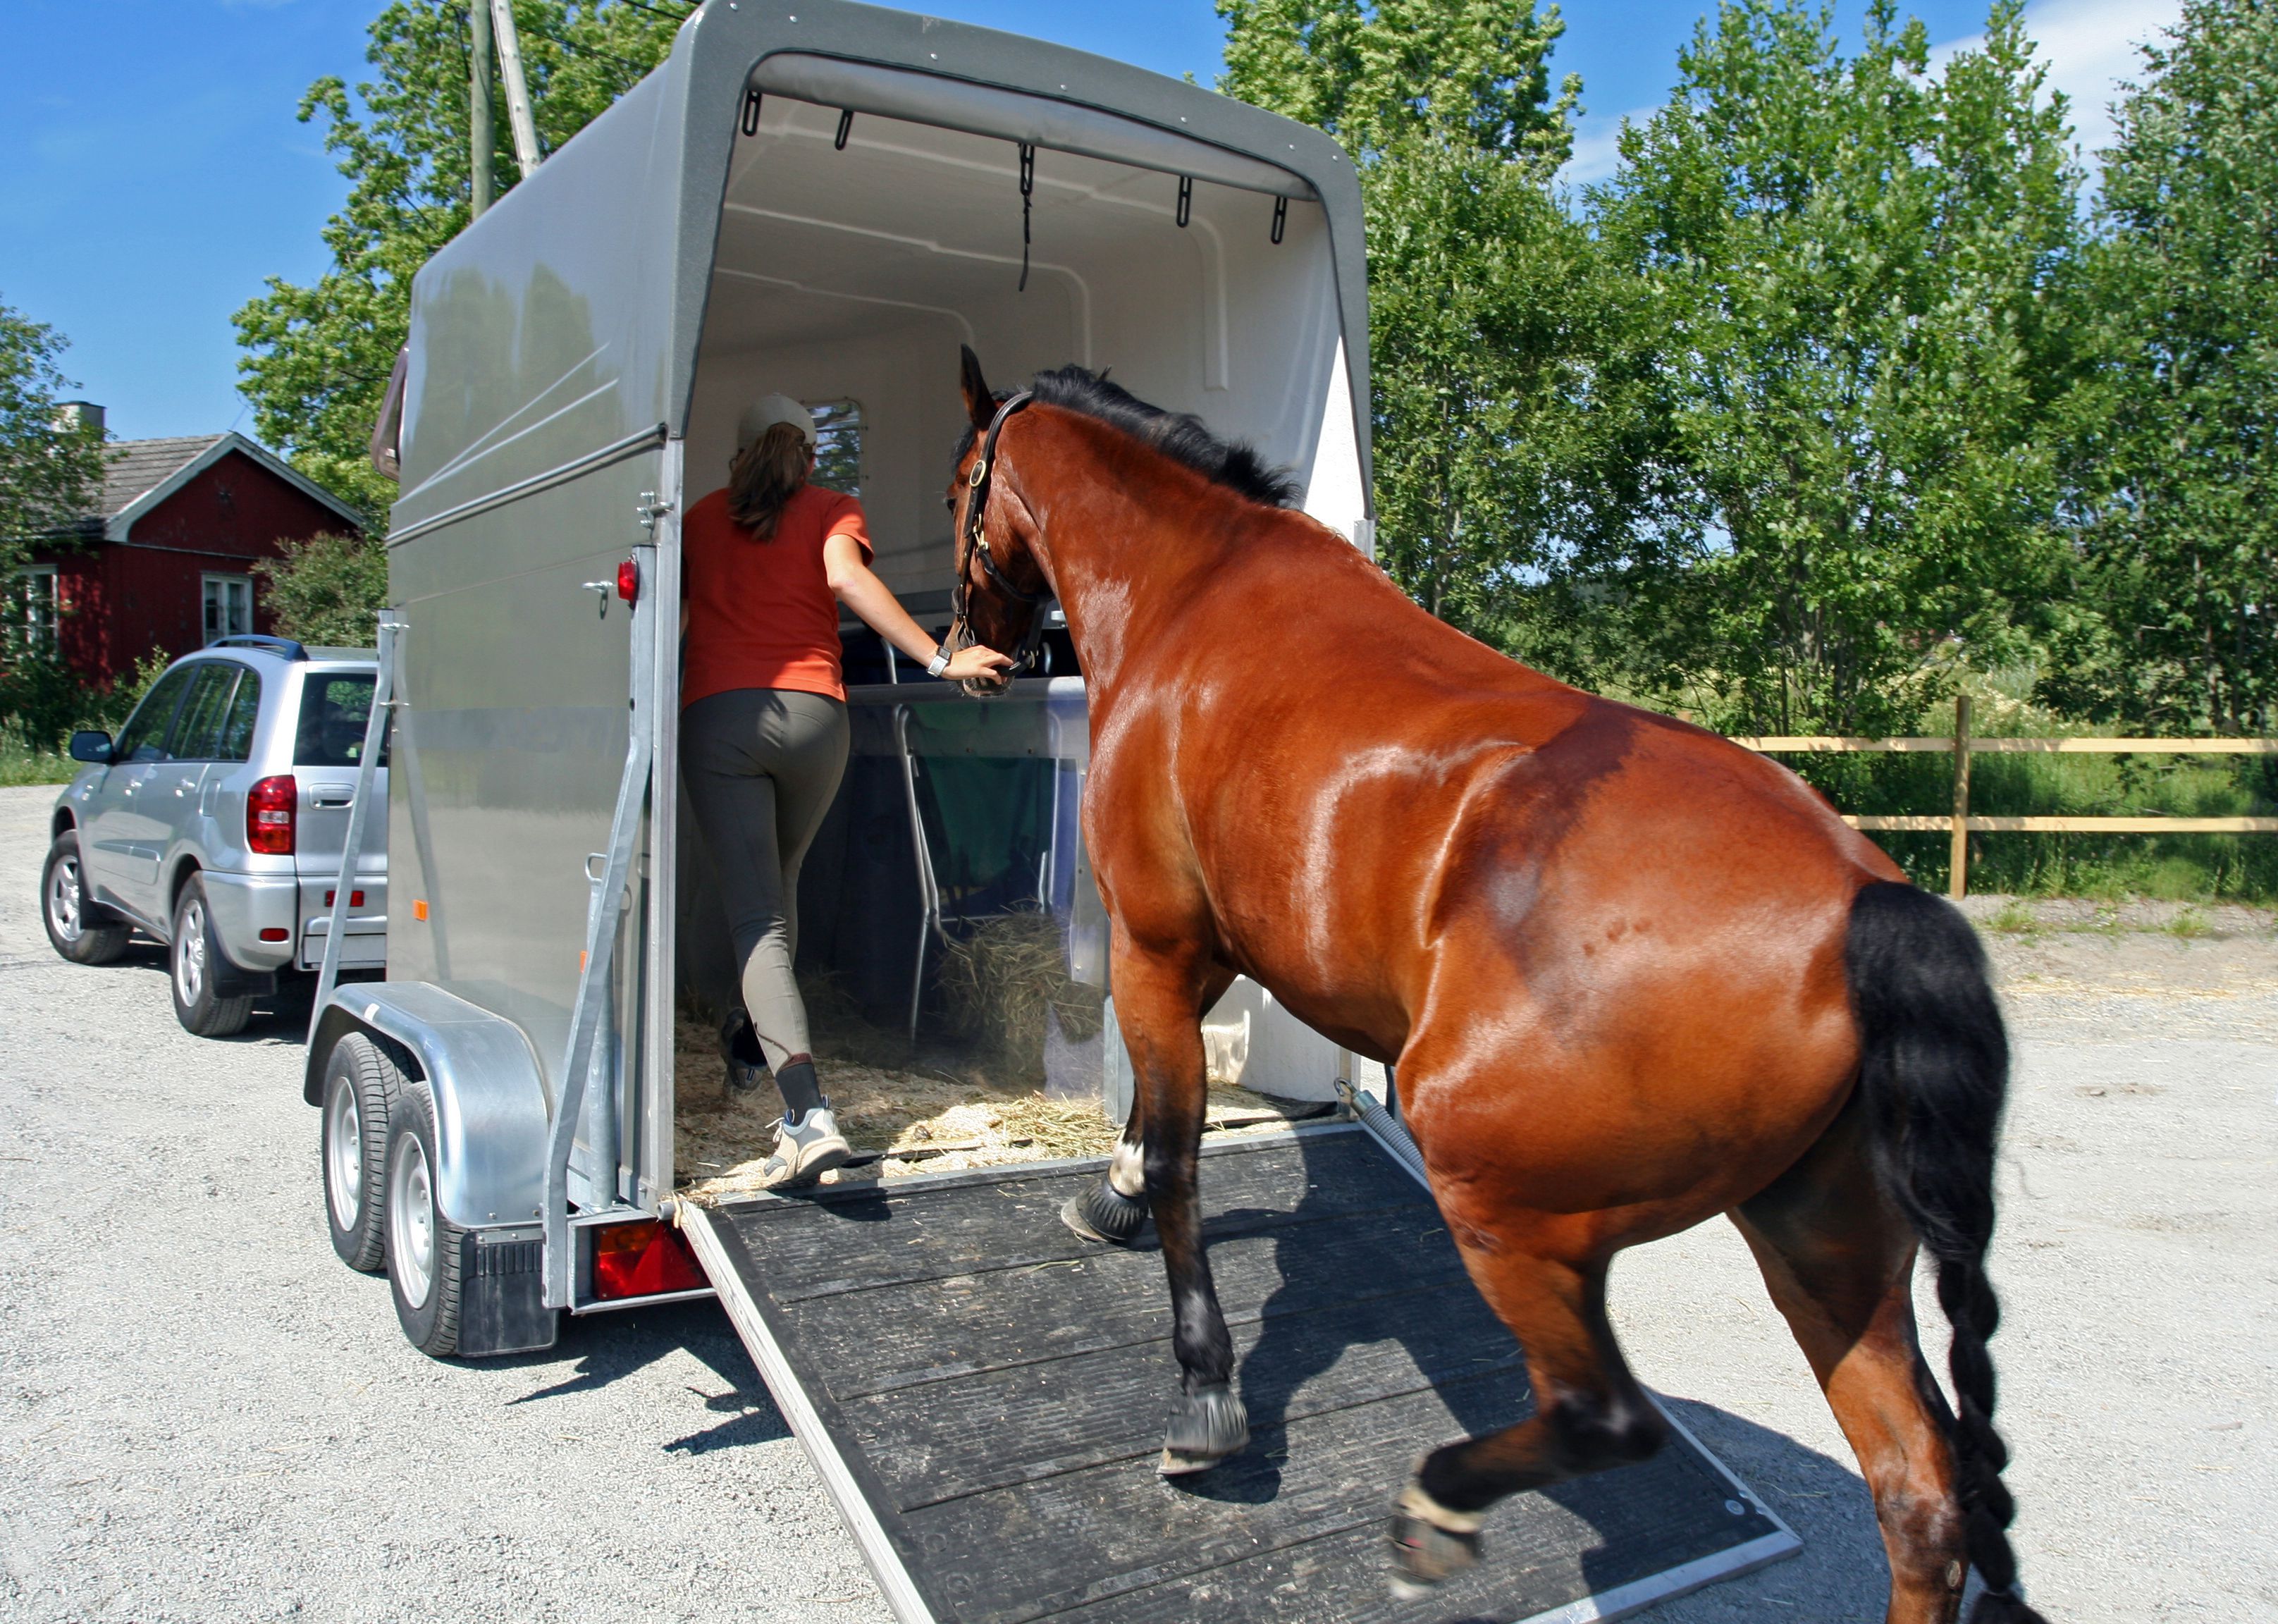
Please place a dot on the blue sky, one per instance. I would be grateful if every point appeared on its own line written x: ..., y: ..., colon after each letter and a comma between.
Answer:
x: 152, y: 174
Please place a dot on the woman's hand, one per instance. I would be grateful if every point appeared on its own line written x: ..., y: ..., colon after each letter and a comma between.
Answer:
x: 967, y: 663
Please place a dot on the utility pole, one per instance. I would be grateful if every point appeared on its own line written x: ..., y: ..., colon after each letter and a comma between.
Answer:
x: 481, y: 137
x: 517, y: 88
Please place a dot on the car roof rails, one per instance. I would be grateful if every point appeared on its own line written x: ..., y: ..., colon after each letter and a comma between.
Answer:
x: 284, y: 647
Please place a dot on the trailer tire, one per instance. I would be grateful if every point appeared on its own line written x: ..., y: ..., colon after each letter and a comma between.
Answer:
x: 198, y: 962
x: 362, y: 1084
x: 79, y: 929
x: 425, y: 1251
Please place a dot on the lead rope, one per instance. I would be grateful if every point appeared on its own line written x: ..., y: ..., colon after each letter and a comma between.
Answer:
x: 1028, y: 195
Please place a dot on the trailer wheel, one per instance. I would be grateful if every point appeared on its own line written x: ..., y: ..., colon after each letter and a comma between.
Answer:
x: 424, y: 1254
x: 199, y: 962
x: 78, y: 927
x: 362, y: 1084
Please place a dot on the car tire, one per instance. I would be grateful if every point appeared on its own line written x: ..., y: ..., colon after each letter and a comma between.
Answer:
x: 79, y: 929
x: 425, y: 1251
x: 362, y: 1084
x: 197, y: 962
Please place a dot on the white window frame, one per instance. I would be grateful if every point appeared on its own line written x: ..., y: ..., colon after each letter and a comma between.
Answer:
x: 208, y: 585
x: 43, y: 608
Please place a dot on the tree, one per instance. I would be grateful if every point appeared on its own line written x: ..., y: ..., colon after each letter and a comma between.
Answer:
x: 49, y: 468
x: 1848, y: 273
x: 318, y: 358
x: 328, y: 589
x: 2178, y: 450
x: 1483, y: 296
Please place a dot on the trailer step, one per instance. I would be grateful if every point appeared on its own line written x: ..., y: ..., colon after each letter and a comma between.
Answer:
x: 984, y: 1394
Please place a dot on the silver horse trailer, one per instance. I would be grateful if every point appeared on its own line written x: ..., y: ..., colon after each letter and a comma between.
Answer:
x: 827, y: 204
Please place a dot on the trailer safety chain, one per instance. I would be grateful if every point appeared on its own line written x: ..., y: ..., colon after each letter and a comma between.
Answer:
x: 1028, y: 195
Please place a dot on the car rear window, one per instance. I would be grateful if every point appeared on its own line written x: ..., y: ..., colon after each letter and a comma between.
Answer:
x: 333, y: 713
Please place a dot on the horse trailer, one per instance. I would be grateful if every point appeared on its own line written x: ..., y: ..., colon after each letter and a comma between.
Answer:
x: 828, y: 203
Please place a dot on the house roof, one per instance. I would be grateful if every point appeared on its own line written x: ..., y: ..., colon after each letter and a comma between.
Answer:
x: 139, y: 474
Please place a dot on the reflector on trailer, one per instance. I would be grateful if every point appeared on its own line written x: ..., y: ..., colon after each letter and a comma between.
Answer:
x: 629, y: 580
x: 644, y: 1259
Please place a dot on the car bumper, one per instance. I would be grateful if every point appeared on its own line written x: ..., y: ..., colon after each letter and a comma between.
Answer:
x: 244, y: 906
x: 365, y: 944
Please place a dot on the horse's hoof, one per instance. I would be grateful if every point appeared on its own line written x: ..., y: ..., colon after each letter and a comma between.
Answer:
x: 1205, y: 1428
x: 1103, y: 1212
x: 1430, y: 1543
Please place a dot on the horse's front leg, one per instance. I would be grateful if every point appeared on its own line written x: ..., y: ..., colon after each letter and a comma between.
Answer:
x: 1158, y: 1004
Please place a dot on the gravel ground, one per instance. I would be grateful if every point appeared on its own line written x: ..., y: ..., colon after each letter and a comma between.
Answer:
x: 202, y: 1416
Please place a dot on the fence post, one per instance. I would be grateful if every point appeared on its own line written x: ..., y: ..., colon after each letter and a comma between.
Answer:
x: 1957, y: 883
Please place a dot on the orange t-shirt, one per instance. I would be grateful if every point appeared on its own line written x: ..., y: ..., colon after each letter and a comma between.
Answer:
x: 760, y: 614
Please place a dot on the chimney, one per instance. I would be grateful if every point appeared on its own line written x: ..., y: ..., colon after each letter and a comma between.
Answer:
x: 82, y: 415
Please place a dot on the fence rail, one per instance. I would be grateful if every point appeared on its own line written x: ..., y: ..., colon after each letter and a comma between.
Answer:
x: 1962, y: 746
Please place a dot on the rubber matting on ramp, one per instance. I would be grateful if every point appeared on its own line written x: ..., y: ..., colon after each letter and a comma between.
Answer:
x: 995, y: 1390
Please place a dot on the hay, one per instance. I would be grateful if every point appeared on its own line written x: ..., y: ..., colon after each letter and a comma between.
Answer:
x: 913, y: 1121
x: 1003, y: 977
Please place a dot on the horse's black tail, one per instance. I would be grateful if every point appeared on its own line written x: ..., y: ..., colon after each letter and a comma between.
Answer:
x: 1934, y: 1069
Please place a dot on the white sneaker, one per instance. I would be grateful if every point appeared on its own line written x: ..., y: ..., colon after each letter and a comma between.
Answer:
x: 806, y: 1153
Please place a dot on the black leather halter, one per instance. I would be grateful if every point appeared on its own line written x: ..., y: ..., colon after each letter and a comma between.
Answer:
x: 972, y: 537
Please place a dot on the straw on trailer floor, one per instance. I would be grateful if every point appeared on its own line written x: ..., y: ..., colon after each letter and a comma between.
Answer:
x: 913, y: 1120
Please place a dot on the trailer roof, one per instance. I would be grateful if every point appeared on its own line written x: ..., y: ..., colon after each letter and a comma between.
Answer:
x: 566, y: 320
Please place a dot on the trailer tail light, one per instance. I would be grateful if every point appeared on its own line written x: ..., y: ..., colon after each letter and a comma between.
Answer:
x: 643, y: 1260
x: 270, y: 807
x: 629, y: 580
x: 355, y: 897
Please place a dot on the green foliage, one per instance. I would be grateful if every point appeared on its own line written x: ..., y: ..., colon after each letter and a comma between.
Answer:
x: 1849, y: 314
x: 327, y: 590
x: 47, y: 473
x: 2177, y: 477
x: 318, y: 358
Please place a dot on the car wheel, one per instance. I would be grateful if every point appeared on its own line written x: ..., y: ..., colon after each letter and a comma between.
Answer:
x: 362, y: 1084
x: 425, y: 1254
x: 78, y: 927
x: 198, y: 964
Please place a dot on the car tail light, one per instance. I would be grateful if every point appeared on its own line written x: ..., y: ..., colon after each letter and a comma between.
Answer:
x: 355, y: 899
x: 629, y: 580
x: 643, y: 1260
x: 275, y: 933
x: 269, y: 807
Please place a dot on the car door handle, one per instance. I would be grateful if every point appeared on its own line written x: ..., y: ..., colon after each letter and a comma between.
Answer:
x: 332, y: 797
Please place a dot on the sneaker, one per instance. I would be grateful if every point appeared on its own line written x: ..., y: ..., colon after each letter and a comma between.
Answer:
x: 740, y: 1046
x: 804, y: 1152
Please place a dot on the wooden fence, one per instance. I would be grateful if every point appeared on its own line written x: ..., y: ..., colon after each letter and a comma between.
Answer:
x: 1962, y: 746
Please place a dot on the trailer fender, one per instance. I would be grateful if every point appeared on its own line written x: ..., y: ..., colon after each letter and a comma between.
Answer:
x: 490, y: 1098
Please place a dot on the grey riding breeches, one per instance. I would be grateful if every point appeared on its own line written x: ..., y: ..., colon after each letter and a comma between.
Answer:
x: 761, y: 766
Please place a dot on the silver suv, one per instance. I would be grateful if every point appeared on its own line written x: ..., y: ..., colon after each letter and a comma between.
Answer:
x: 215, y: 822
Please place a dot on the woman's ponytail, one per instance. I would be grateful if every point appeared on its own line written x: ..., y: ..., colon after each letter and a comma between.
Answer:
x: 765, y: 476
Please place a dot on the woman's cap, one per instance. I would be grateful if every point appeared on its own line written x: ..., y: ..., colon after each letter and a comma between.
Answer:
x: 769, y: 410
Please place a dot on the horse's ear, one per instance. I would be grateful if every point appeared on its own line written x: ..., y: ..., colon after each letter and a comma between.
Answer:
x: 979, y: 405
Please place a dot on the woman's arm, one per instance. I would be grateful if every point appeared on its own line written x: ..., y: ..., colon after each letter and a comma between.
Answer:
x: 867, y: 595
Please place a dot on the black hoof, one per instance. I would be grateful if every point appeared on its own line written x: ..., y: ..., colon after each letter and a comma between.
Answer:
x: 1102, y: 1213
x: 1425, y: 1549
x: 1205, y: 1428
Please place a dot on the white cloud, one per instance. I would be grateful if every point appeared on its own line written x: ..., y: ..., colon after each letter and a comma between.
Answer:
x: 1597, y: 146
x: 2090, y: 46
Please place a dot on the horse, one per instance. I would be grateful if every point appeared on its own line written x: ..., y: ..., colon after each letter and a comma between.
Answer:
x: 1631, y: 975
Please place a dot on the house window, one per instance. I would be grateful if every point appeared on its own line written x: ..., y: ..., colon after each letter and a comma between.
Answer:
x: 229, y: 606
x: 837, y: 445
x: 36, y: 620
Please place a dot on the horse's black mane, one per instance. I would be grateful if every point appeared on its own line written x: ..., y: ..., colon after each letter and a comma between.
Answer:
x: 1179, y: 436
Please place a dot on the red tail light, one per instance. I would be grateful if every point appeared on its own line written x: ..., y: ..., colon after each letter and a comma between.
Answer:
x: 355, y: 897
x: 643, y: 1260
x: 269, y: 807
x: 629, y: 580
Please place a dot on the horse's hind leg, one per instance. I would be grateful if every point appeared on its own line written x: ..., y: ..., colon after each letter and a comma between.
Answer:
x: 1839, y: 1259
x: 1590, y: 1412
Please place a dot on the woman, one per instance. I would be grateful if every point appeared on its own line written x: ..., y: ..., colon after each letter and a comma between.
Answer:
x: 766, y: 561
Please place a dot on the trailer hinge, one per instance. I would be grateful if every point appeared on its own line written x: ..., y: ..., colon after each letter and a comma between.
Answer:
x: 651, y: 509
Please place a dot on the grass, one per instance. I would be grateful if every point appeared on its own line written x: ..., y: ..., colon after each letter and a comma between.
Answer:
x: 21, y: 763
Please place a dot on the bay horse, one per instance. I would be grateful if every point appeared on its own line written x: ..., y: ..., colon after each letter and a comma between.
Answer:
x: 1632, y: 974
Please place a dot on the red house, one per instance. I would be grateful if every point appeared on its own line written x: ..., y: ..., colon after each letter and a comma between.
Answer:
x: 166, y: 560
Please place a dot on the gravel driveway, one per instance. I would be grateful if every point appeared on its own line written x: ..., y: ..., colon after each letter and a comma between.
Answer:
x: 204, y: 1416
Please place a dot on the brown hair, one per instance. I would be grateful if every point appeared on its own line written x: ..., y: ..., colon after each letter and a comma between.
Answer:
x: 765, y: 476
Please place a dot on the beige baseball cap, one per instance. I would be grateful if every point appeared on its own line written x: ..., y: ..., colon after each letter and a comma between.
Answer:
x: 769, y: 410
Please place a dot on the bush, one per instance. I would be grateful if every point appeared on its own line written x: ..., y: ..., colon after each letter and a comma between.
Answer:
x: 327, y: 590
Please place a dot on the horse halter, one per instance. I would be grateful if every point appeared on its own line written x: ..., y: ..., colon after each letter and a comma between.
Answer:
x: 972, y: 537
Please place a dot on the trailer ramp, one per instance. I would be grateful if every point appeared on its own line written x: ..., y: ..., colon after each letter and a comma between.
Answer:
x: 984, y: 1394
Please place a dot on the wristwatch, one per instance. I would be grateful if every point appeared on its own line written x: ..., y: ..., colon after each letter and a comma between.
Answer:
x: 939, y: 663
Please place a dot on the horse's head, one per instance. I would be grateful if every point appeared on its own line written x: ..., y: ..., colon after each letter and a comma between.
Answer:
x: 1000, y: 590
